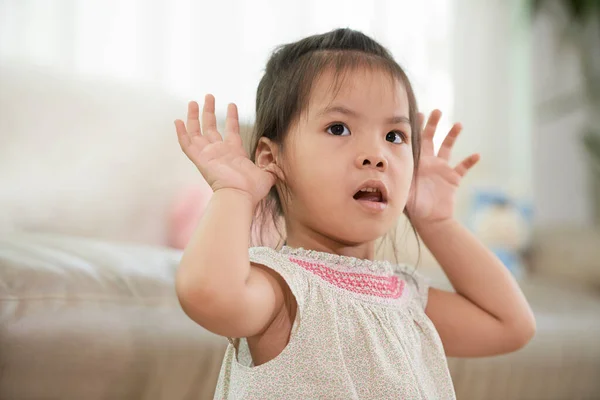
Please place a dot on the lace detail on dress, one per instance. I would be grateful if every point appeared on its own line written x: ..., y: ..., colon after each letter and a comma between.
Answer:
x: 342, y: 262
x: 389, y: 287
x: 365, y: 277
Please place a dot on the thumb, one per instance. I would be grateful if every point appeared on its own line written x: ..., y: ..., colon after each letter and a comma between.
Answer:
x: 275, y: 171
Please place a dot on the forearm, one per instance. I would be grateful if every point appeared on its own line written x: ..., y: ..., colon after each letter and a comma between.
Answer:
x: 475, y: 272
x: 216, y: 257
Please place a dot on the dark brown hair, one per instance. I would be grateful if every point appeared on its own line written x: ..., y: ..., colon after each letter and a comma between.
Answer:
x: 284, y: 91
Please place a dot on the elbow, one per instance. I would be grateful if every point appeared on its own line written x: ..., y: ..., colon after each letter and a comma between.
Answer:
x: 203, y: 299
x: 183, y: 284
x: 193, y: 292
x: 187, y: 294
x: 521, y: 333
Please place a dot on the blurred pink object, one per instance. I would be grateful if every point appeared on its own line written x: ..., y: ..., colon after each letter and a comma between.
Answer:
x: 186, y: 212
x: 188, y: 207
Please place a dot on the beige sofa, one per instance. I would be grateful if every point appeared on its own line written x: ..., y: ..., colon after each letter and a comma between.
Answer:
x: 83, y: 319
x: 87, y: 304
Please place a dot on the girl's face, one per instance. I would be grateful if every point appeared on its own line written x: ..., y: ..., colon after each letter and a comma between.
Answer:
x: 348, y: 160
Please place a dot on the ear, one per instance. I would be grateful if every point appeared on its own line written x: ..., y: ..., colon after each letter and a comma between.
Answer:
x: 267, y: 157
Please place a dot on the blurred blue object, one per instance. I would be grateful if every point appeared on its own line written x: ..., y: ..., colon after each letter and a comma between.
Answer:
x: 503, y: 224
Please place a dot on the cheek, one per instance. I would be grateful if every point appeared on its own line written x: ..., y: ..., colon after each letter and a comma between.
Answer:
x: 313, y: 162
x: 303, y: 172
x: 403, y: 176
x: 316, y: 184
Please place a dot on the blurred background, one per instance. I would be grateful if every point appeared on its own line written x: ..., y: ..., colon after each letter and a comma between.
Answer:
x: 85, y: 82
x: 89, y: 90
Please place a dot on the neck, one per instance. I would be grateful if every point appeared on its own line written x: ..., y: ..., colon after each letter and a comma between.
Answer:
x: 302, y: 236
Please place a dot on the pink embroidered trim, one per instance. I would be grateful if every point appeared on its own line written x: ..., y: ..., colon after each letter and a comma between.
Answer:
x: 389, y: 287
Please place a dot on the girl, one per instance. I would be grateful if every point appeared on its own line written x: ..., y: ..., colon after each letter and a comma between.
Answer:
x: 338, y: 154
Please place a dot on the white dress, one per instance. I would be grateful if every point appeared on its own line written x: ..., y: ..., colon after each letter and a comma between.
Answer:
x: 360, y: 333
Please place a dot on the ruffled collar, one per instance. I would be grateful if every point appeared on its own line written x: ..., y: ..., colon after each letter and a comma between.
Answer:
x: 350, y: 264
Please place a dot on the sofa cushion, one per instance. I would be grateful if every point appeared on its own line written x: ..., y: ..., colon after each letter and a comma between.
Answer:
x: 83, y: 319
x: 561, y: 362
x: 568, y: 255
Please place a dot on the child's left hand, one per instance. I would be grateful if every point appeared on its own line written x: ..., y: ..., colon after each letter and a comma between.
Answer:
x: 433, y: 192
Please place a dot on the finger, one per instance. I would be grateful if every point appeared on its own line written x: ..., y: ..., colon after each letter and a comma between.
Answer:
x: 429, y: 132
x: 467, y: 164
x: 448, y: 143
x: 182, y: 134
x: 191, y: 145
x: 209, y: 120
x: 193, y: 122
x: 232, y: 124
x: 275, y: 172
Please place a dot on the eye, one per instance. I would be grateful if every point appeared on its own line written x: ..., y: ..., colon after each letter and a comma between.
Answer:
x: 338, y: 130
x: 395, y: 137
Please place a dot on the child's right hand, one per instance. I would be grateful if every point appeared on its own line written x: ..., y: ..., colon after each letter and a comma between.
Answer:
x: 223, y: 163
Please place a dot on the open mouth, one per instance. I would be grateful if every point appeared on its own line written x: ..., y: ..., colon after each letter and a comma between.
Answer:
x: 370, y: 194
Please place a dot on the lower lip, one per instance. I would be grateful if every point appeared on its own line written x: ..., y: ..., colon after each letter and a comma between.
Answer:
x: 372, y: 205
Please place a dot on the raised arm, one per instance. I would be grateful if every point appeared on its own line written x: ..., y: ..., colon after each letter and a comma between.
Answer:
x: 216, y: 284
x: 487, y: 314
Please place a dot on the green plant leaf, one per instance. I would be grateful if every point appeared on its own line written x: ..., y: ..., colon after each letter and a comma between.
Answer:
x: 591, y: 141
x: 577, y: 10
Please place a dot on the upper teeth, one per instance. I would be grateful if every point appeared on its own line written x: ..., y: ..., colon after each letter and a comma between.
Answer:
x: 369, y: 190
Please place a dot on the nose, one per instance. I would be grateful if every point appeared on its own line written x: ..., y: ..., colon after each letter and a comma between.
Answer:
x: 374, y: 161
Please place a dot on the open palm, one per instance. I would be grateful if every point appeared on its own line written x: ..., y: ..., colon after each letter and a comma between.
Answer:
x: 223, y: 162
x: 433, y: 194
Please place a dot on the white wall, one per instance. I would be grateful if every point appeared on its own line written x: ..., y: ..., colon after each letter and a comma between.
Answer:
x: 491, y: 73
x: 88, y: 157
x: 561, y: 177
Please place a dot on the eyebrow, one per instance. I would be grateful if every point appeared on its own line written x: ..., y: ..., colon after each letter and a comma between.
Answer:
x: 396, y: 119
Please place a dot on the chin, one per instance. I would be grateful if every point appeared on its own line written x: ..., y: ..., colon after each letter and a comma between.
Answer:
x: 367, y: 236
x: 351, y: 225
x: 359, y: 232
